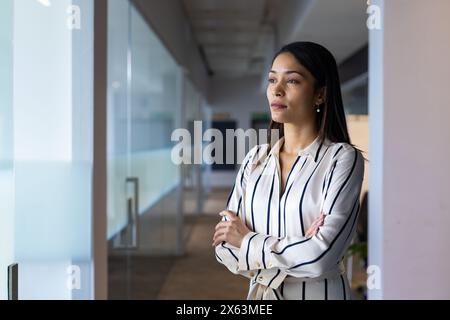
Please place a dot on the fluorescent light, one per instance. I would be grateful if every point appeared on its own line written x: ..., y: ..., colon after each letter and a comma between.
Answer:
x: 45, y: 2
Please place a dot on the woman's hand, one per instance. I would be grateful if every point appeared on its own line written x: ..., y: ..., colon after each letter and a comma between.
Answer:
x: 315, y: 226
x: 231, y: 231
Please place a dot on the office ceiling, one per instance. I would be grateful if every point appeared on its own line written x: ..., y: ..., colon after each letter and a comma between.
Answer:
x: 235, y: 35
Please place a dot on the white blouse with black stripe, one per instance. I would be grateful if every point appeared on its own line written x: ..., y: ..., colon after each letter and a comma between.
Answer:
x: 279, y: 260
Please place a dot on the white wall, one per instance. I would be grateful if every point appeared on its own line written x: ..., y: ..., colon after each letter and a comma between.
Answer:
x: 410, y: 150
x: 358, y: 129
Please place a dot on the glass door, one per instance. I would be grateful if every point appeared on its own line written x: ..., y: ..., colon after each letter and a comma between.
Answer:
x: 155, y: 113
x: 123, y: 187
x: 6, y: 146
x: 144, y: 99
x: 46, y: 147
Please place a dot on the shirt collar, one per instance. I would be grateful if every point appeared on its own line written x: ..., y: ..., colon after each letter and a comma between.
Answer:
x: 313, y: 149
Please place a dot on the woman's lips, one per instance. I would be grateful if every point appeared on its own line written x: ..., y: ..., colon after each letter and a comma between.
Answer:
x: 277, y: 106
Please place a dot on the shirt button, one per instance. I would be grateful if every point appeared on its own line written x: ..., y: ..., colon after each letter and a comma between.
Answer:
x: 258, y: 264
x: 252, y: 274
x: 260, y: 278
x: 270, y: 264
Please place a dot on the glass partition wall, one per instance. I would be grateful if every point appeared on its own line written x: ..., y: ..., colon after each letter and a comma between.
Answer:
x: 6, y: 146
x: 46, y: 147
x: 144, y: 185
x: 192, y: 173
x: 46, y: 132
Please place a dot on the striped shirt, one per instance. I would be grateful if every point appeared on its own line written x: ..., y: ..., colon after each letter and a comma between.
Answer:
x: 279, y: 260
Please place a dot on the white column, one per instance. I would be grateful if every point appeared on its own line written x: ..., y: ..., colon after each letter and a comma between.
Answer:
x: 409, y: 107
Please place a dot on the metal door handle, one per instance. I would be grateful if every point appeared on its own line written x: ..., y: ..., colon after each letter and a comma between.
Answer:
x: 128, y: 238
x: 13, y: 282
x: 134, y: 214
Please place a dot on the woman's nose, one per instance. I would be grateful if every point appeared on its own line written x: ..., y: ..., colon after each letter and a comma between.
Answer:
x: 278, y: 94
x: 277, y: 91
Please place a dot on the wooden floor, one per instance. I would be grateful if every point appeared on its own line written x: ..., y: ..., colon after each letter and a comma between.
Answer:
x: 198, y: 275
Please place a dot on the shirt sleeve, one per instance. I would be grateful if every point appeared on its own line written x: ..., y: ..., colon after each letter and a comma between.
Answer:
x: 227, y: 254
x: 314, y: 256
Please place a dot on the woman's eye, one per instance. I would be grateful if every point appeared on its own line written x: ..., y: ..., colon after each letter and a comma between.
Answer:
x: 292, y: 81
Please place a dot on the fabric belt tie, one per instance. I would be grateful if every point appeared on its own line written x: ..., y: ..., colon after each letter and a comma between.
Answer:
x: 259, y: 291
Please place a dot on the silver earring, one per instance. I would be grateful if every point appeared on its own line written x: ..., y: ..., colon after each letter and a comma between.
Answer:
x: 318, y: 108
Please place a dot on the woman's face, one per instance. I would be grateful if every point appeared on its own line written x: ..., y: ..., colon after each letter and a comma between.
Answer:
x: 290, y: 92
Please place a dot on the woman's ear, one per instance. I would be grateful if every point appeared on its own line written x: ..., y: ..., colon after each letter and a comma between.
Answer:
x: 321, y: 95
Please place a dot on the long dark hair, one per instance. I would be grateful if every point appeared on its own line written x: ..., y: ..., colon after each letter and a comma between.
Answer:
x: 330, y: 121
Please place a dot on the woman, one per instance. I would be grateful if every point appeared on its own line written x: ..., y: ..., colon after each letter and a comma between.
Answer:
x: 293, y: 209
